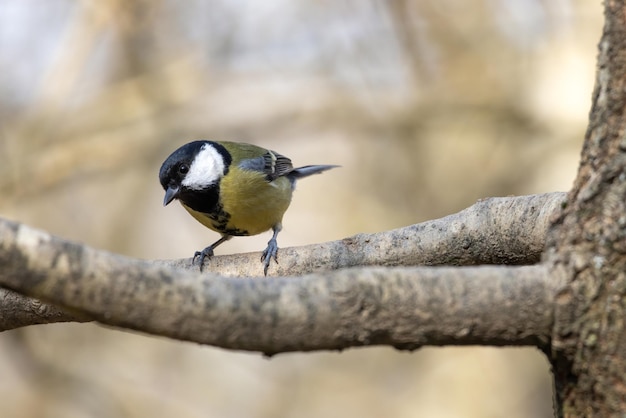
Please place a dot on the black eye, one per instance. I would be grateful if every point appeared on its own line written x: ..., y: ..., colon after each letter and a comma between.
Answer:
x: 183, y: 169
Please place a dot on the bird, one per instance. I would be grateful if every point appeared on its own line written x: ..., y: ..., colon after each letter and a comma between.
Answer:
x: 233, y: 188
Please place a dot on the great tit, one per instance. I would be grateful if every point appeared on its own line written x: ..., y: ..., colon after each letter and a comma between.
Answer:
x: 233, y: 188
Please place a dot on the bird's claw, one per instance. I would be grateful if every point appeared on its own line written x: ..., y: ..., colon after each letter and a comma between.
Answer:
x: 201, y: 255
x: 270, y: 252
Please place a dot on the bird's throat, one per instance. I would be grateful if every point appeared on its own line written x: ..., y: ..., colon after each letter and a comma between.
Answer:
x: 205, y: 201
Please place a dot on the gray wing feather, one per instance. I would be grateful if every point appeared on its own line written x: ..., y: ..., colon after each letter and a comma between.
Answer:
x: 253, y: 164
x: 272, y: 164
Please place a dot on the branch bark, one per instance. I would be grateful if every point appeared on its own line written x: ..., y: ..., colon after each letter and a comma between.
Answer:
x: 401, y: 307
x: 492, y: 231
x: 17, y: 310
x: 500, y: 230
x: 587, y: 249
x: 405, y: 308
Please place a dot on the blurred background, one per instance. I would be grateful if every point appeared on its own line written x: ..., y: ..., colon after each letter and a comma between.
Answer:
x: 426, y: 105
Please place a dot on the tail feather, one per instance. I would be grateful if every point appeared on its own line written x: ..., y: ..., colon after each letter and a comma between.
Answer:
x: 308, y: 170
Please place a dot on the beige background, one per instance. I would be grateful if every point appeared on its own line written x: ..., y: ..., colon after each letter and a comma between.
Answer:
x: 428, y: 106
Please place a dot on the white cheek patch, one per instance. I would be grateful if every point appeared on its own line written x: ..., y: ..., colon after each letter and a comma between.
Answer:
x: 205, y: 170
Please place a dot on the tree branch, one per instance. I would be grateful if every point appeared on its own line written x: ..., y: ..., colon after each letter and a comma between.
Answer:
x: 500, y: 230
x: 401, y: 307
x: 492, y: 231
x: 17, y: 311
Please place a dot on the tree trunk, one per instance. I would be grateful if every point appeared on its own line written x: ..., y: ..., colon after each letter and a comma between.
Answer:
x: 587, y: 248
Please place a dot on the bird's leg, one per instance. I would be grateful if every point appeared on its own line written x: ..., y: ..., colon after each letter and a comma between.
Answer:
x: 272, y: 249
x: 208, y: 251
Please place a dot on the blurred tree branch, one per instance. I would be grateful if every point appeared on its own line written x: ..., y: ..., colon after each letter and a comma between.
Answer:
x: 17, y: 310
x: 323, y: 310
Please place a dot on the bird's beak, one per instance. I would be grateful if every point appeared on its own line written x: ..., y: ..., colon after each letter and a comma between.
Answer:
x: 170, y: 194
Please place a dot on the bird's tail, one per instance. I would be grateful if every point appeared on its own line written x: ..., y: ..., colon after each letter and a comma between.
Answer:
x: 308, y: 170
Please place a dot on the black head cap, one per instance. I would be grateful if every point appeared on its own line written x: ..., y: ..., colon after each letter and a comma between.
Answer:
x: 176, y: 166
x: 193, y: 171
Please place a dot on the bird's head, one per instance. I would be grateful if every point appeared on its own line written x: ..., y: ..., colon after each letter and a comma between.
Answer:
x: 196, y: 166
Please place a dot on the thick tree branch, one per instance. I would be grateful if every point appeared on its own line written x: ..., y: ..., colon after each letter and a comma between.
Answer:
x: 496, y: 230
x: 402, y: 307
x: 501, y: 230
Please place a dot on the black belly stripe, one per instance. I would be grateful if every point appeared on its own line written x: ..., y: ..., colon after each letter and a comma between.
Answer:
x: 220, y: 222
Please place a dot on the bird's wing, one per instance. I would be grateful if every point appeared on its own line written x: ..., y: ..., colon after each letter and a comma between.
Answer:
x: 271, y: 163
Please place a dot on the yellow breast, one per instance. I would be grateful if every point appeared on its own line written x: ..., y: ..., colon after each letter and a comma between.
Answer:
x: 252, y: 204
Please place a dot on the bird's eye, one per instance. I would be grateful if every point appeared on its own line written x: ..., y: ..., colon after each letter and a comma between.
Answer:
x: 183, y: 169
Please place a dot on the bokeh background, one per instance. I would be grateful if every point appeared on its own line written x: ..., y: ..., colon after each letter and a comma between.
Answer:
x: 426, y: 105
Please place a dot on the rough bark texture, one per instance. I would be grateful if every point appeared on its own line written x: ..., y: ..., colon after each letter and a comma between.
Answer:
x: 500, y: 230
x: 401, y: 307
x: 496, y: 230
x: 588, y: 248
x: 17, y: 311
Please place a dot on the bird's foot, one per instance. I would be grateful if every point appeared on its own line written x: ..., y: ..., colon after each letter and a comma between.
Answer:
x: 201, y: 255
x: 270, y: 252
